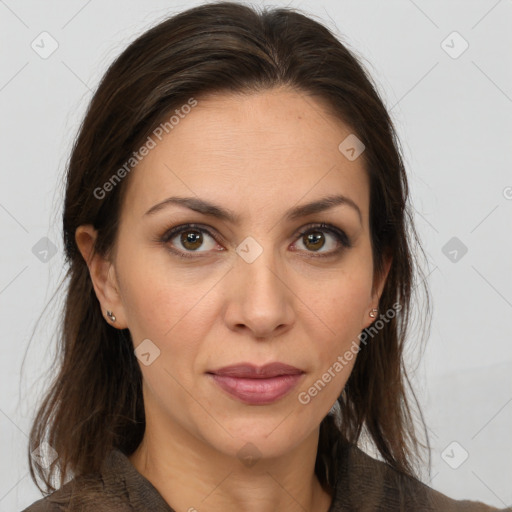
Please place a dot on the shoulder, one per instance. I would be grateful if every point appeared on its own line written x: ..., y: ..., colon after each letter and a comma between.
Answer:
x: 118, y: 487
x: 82, y: 494
x: 370, y: 484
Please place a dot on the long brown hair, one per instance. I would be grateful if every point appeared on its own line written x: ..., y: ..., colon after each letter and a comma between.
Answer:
x: 95, y: 401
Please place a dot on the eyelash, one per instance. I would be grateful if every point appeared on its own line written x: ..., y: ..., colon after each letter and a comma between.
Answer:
x: 340, y: 236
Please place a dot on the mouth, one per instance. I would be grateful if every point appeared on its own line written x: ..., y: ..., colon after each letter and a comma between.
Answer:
x: 254, y: 385
x: 250, y: 371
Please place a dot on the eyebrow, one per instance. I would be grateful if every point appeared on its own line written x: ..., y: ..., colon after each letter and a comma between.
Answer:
x: 213, y: 210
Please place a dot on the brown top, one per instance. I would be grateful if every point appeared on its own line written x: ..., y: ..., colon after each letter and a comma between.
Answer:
x: 363, y: 484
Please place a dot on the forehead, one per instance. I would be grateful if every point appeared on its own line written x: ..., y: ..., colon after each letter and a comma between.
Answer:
x: 252, y: 151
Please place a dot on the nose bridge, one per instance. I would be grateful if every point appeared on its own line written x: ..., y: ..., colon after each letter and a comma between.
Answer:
x: 259, y: 268
x: 259, y: 298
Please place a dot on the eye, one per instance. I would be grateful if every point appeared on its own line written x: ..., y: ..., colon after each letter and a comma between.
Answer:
x: 187, y: 239
x: 314, y: 239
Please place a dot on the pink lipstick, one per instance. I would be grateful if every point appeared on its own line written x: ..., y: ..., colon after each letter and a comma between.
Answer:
x: 257, y: 385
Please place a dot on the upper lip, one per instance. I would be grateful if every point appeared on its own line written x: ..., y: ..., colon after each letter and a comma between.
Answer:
x: 250, y: 371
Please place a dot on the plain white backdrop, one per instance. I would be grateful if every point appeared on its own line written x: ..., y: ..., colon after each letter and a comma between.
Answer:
x: 445, y: 73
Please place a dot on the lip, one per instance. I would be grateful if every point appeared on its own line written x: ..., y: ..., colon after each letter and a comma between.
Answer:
x: 250, y: 371
x: 255, y: 385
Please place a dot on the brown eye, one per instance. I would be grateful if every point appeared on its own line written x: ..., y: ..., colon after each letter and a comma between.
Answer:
x: 191, y: 239
x: 334, y: 240
x: 314, y: 240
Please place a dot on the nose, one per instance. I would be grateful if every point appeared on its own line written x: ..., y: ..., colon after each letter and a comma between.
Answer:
x: 259, y: 298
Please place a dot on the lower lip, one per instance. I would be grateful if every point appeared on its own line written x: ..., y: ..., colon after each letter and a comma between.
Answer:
x: 257, y: 391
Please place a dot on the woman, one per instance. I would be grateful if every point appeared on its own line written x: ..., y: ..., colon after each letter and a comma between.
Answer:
x: 240, y: 265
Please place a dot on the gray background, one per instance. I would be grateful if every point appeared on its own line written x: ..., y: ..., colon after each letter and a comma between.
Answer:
x: 453, y: 114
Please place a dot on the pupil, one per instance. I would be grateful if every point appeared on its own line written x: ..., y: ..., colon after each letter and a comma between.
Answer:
x: 191, y: 237
x: 195, y: 239
x: 314, y: 238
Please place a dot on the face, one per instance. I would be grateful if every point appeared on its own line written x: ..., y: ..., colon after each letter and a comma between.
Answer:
x: 264, y: 286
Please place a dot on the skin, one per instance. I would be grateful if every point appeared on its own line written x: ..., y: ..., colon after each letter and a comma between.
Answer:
x: 258, y: 155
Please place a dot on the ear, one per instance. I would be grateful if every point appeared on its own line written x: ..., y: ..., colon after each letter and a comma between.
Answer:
x: 377, y: 289
x: 103, y: 276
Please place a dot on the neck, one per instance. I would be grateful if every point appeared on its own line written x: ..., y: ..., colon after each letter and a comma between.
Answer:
x: 192, y: 475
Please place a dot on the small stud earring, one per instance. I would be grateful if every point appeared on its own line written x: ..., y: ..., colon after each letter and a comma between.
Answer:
x: 373, y: 312
x: 111, y: 316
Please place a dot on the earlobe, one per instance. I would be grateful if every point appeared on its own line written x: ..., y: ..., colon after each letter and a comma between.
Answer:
x: 103, y: 276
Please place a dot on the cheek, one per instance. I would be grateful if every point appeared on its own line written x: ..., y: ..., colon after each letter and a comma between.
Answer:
x: 341, y: 309
x: 341, y: 306
x: 161, y: 309
x: 343, y: 300
x: 172, y: 307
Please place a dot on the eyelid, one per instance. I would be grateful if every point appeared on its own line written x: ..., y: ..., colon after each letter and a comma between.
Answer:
x: 339, y: 233
x: 176, y: 230
x: 342, y: 238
